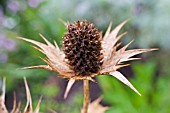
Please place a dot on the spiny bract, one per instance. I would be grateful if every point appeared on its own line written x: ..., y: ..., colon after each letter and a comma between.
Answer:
x: 16, y: 108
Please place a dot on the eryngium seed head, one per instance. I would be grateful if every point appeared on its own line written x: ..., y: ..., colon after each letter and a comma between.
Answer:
x: 82, y: 48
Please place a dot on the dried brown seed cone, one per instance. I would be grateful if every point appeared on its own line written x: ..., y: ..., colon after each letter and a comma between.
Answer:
x: 82, y: 48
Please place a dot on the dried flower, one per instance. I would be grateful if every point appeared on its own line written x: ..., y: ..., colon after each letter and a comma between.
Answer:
x: 16, y: 108
x: 86, y: 54
x: 95, y: 107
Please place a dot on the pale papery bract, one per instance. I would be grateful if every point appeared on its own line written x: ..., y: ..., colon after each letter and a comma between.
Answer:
x: 16, y: 107
x: 95, y: 107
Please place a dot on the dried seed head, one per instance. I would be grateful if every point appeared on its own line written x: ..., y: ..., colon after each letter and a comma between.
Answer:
x: 82, y: 48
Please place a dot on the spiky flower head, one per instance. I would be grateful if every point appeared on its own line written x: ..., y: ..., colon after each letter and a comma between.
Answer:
x: 86, y: 54
x: 16, y: 108
x: 82, y: 48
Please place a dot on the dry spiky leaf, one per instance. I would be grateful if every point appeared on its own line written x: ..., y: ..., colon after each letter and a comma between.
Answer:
x: 120, y: 77
x: 28, y: 108
x: 95, y: 107
x: 51, y: 111
x: 2, y: 99
x: 69, y: 85
x: 110, y: 39
x: 55, y: 57
x: 16, y: 107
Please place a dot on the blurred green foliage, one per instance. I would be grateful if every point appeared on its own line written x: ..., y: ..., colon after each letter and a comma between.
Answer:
x: 149, y: 24
x: 154, y: 90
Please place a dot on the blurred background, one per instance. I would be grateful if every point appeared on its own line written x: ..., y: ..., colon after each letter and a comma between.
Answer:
x: 149, y: 25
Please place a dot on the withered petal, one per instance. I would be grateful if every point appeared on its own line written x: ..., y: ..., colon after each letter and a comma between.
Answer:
x: 120, y: 77
x: 47, y: 42
x: 28, y: 107
x: 14, y: 104
x: 66, y: 23
x: 46, y: 67
x: 108, y: 31
x: 38, y: 106
x: 16, y: 108
x: 108, y: 41
x: 2, y: 98
x: 3, y: 90
x: 69, y: 85
x: 111, y: 53
x: 113, y: 68
x: 51, y: 110
x: 54, y: 54
x: 95, y: 107
x: 124, y: 56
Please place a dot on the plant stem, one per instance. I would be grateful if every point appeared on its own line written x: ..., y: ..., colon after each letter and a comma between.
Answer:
x: 86, y: 96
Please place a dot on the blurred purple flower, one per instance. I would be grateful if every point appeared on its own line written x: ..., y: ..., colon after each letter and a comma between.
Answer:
x: 138, y: 9
x: 34, y: 3
x: 3, y: 57
x: 2, y: 17
x: 6, y: 43
x: 14, y: 5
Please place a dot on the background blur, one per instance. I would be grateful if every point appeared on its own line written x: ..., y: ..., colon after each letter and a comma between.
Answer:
x: 149, y: 25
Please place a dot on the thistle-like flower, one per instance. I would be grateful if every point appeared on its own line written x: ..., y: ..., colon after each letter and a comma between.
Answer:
x: 16, y: 108
x: 86, y: 54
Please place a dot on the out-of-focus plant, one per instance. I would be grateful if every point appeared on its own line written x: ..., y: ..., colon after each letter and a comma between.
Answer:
x: 16, y: 107
x: 50, y: 102
x: 154, y: 91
